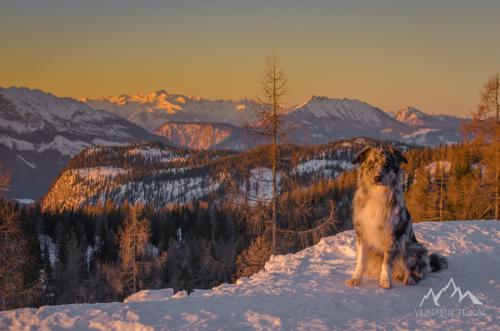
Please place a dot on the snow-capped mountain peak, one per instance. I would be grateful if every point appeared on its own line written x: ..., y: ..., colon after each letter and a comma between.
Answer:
x: 157, y: 108
x: 411, y: 116
x: 342, y: 109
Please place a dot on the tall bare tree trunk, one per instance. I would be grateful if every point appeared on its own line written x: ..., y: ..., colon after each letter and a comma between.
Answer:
x: 441, y: 191
x: 497, y: 150
x: 134, y: 253
x: 275, y: 154
x: 270, y: 124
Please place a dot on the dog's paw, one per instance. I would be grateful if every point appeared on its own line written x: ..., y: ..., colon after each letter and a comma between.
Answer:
x: 353, y: 282
x: 385, y: 283
x: 409, y: 281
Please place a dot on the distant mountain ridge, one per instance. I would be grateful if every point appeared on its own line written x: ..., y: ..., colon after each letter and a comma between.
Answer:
x: 155, y: 109
x: 203, y: 135
x: 39, y: 132
x: 429, y: 129
x: 319, y: 120
x: 322, y: 119
x: 416, y: 118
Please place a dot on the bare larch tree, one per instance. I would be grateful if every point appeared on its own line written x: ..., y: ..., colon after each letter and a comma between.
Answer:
x: 270, y: 123
x: 485, y: 128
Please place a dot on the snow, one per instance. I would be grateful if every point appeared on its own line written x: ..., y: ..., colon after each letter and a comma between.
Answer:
x: 100, y: 172
x: 99, y: 141
x: 171, y: 191
x: 438, y: 165
x: 33, y: 120
x: 261, y: 185
x: 64, y: 146
x: 154, y: 109
x: 411, y: 116
x: 29, y: 164
x: 16, y: 144
x: 323, y: 166
x: 343, y: 109
x: 150, y: 295
x: 46, y: 241
x: 306, y: 291
x: 151, y: 153
x: 36, y: 108
x: 418, y: 133
x: 25, y: 201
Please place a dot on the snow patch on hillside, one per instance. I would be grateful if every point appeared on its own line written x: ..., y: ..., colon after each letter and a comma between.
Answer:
x: 436, y: 166
x: 100, y: 172
x: 60, y: 143
x: 29, y: 164
x: 260, y: 185
x: 418, y: 133
x: 156, y: 153
x: 325, y: 167
x: 48, y: 246
x: 306, y: 291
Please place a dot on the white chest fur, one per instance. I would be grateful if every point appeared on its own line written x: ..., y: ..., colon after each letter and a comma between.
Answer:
x: 375, y: 215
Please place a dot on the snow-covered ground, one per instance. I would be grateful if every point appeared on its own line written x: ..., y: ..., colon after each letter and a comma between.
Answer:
x: 306, y: 291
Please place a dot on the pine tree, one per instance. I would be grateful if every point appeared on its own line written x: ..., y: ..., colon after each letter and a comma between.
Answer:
x: 70, y: 273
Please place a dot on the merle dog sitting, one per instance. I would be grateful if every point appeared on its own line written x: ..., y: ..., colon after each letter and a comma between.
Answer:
x: 386, y: 245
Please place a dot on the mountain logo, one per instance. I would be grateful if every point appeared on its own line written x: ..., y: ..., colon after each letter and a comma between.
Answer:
x: 456, y: 291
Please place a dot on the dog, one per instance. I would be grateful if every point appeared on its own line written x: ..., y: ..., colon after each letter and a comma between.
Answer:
x: 386, y: 245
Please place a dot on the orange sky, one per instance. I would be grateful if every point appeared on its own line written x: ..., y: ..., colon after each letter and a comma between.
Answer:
x: 430, y: 54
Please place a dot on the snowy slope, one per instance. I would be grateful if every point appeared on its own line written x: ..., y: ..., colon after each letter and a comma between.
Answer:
x: 306, y: 291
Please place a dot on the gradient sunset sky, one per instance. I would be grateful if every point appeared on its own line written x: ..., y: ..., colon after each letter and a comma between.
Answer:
x: 434, y: 55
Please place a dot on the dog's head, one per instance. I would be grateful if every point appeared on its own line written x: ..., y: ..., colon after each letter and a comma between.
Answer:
x: 380, y: 166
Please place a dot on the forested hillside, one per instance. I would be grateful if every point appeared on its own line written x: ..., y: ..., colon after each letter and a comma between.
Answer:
x: 160, y: 175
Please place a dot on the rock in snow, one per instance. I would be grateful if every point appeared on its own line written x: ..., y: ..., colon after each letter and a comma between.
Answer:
x: 306, y: 291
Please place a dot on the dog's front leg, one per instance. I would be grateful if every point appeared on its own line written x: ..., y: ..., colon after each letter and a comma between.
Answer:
x: 387, y: 263
x: 361, y: 256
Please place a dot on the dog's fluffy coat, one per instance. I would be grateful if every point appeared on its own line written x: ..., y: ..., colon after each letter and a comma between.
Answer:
x: 385, y: 242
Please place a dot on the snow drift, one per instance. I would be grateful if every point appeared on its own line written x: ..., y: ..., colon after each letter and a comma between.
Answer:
x: 306, y: 291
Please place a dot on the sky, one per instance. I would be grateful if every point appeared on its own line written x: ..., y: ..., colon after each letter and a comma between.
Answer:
x: 434, y: 55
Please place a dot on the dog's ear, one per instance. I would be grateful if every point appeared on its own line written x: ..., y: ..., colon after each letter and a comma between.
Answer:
x: 400, y: 158
x: 361, y: 155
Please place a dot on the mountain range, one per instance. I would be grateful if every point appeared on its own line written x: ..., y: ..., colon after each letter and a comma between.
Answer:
x: 40, y: 132
x: 200, y: 123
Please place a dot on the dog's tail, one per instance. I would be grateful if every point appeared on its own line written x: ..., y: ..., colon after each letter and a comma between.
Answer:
x: 437, y: 262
